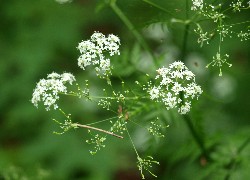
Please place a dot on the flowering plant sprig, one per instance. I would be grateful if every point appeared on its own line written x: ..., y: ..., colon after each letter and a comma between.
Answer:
x: 174, y: 86
x: 218, y: 13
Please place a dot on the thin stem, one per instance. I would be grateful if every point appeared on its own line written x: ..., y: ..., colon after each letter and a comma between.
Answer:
x: 131, y: 27
x: 107, y: 97
x: 110, y: 97
x: 185, y: 40
x: 97, y: 129
x: 244, y: 144
x: 102, y: 121
x: 158, y: 7
x: 196, y: 136
x: 132, y: 142
x: 233, y: 161
x: 186, y: 33
x: 187, y: 6
x: 238, y: 23
x: 186, y: 117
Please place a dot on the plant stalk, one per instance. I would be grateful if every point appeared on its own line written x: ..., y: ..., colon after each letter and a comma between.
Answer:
x: 131, y: 27
x: 233, y: 161
x: 97, y: 129
x: 199, y: 141
x: 196, y: 136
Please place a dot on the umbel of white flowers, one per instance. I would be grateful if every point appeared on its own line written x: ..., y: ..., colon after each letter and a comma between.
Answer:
x: 96, y: 51
x: 174, y: 80
x: 47, y: 90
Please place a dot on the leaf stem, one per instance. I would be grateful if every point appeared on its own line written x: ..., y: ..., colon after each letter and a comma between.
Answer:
x: 130, y: 138
x: 186, y: 33
x: 158, y: 7
x: 233, y: 161
x: 185, y: 39
x: 196, y: 136
x: 97, y: 129
x: 108, y: 97
x: 199, y: 141
x: 131, y: 27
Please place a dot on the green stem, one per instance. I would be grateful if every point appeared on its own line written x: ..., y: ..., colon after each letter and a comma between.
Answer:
x: 233, y: 161
x: 196, y: 136
x: 131, y: 27
x: 107, y: 97
x: 158, y: 7
x: 244, y: 144
x: 132, y: 141
x: 185, y: 40
x: 186, y: 33
x: 199, y: 141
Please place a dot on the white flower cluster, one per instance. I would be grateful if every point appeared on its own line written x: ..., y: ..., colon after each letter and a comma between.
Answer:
x: 176, y: 82
x: 92, y: 52
x: 47, y: 90
x: 197, y: 5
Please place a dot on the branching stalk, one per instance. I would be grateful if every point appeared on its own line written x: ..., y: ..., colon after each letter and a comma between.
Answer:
x: 131, y: 27
x: 186, y: 117
x: 233, y: 161
x: 158, y: 7
x: 97, y: 129
x: 196, y: 136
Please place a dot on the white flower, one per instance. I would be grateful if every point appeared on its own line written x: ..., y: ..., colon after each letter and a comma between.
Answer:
x: 166, y: 80
x: 162, y: 71
x: 68, y: 77
x: 154, y: 93
x: 93, y: 52
x: 192, y: 90
x: 47, y: 90
x: 185, y: 108
x: 189, y: 75
x: 176, y: 87
x: 197, y: 5
x: 170, y: 101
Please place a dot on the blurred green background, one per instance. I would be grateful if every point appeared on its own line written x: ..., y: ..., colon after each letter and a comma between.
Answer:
x: 39, y: 37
